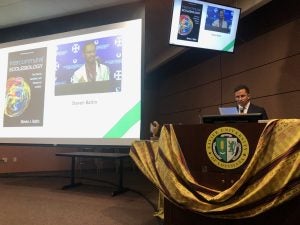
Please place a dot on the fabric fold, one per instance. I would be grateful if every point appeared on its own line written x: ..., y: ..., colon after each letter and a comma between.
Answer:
x: 271, y: 178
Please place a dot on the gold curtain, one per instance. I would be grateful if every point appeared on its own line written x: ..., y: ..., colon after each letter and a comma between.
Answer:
x: 271, y: 177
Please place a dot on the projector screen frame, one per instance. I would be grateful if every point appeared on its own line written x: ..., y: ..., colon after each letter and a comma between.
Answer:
x: 86, y: 141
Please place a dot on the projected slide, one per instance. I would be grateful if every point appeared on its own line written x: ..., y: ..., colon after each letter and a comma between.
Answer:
x: 82, y: 87
x: 201, y: 24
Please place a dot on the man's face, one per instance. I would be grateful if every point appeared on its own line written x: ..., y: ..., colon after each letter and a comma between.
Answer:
x: 90, y: 53
x: 242, y: 97
x: 221, y: 14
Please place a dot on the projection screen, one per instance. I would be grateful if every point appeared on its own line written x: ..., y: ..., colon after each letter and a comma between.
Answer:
x: 79, y: 88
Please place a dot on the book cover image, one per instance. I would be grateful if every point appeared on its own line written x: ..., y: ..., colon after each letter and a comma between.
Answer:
x: 189, y: 21
x: 25, y: 88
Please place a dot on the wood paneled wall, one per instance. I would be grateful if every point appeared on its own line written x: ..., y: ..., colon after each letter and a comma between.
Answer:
x: 268, y: 64
x: 33, y: 158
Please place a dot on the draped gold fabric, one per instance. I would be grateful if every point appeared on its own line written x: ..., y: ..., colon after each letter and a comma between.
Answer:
x: 271, y: 177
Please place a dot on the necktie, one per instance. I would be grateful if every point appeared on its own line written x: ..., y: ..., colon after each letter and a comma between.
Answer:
x: 242, y: 110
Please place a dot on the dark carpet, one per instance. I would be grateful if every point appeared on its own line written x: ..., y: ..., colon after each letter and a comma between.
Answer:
x: 38, y: 199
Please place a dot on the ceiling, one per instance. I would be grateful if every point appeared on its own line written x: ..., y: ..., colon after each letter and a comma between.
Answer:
x: 18, y: 12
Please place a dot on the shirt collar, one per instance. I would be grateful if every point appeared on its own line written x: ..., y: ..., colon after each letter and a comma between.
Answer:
x: 245, y: 109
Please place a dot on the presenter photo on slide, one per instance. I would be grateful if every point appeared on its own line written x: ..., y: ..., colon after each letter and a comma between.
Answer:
x: 219, y: 20
x: 93, y: 69
x: 92, y: 65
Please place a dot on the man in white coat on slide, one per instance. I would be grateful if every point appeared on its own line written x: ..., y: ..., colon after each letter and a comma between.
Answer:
x: 92, y: 70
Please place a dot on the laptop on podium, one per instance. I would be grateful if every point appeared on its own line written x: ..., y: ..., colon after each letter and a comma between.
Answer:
x: 231, y: 115
x: 228, y: 111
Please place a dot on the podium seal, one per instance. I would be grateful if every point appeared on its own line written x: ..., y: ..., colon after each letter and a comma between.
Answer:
x: 227, y: 148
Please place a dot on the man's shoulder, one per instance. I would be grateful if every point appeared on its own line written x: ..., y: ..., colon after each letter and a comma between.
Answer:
x: 104, y: 69
x: 79, y: 75
x: 103, y: 66
x: 256, y: 108
x: 80, y: 69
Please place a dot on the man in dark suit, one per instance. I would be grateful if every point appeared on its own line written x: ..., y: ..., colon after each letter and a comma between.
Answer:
x: 242, y: 98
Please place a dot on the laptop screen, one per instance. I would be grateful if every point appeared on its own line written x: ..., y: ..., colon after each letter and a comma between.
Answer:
x: 228, y: 111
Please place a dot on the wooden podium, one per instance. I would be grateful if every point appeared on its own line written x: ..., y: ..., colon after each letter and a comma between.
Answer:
x: 193, y: 142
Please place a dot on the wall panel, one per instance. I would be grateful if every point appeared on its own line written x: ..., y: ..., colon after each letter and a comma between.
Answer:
x: 33, y: 158
x: 268, y: 64
x: 275, y: 45
x: 193, y: 98
x: 201, y: 74
x: 278, y: 77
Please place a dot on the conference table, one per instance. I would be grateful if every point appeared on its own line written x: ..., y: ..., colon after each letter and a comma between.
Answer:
x: 116, y: 156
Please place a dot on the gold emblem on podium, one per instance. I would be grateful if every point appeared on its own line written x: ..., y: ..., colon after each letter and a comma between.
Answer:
x: 227, y: 148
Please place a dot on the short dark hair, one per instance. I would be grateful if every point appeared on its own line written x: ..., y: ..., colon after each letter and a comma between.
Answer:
x: 240, y: 87
x: 87, y: 44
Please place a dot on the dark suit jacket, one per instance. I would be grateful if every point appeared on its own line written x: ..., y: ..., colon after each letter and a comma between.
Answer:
x: 257, y: 109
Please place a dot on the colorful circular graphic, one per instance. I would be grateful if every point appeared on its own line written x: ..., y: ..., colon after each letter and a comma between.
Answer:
x: 18, y: 96
x: 227, y: 148
x: 185, y: 25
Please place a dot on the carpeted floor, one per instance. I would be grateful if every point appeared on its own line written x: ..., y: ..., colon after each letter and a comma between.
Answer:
x: 39, y: 200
